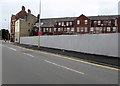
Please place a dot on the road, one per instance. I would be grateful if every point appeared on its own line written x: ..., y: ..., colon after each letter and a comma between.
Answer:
x: 24, y: 66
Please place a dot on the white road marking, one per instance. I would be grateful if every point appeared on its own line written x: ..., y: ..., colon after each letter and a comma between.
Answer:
x: 64, y: 67
x: 12, y: 49
x: 28, y: 54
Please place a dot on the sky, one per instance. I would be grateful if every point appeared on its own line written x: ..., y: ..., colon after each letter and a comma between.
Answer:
x: 57, y: 8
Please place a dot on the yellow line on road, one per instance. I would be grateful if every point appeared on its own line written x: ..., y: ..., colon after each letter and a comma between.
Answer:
x: 72, y: 59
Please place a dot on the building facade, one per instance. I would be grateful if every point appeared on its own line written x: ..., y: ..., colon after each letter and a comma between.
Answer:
x: 79, y: 25
x: 23, y: 27
x: 23, y: 21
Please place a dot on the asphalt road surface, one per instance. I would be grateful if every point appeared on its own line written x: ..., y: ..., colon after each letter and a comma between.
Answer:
x: 23, y: 66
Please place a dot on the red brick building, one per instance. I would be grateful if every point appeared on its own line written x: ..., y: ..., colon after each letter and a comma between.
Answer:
x: 79, y: 25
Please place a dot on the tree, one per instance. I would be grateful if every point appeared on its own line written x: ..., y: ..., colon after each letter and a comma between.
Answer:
x: 5, y: 34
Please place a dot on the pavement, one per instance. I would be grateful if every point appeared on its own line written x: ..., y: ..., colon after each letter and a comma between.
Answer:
x: 26, y: 66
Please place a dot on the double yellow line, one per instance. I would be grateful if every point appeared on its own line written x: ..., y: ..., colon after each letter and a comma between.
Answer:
x: 85, y: 62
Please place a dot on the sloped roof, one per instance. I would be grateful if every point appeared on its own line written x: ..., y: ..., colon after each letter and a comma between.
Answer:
x: 103, y: 17
x: 50, y: 22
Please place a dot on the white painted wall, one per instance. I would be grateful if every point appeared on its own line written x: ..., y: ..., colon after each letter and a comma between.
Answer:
x: 102, y: 44
x: 17, y: 31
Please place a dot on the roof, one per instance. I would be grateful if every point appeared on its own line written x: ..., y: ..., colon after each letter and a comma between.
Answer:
x: 104, y: 17
x: 50, y: 22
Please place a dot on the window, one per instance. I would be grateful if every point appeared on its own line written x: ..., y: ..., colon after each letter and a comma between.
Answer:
x: 36, y: 30
x: 65, y: 29
x: 29, y: 24
x: 114, y: 29
x: 109, y: 22
x: 78, y: 22
x: 72, y: 29
x: 59, y: 23
x: 67, y: 23
x: 97, y: 28
x: 105, y: 22
x: 62, y: 23
x: 86, y: 21
x: 108, y: 29
x: 41, y: 23
x: 86, y: 29
x: 44, y: 30
x: 68, y: 29
x: 99, y: 22
x: 50, y: 30
x: 104, y: 28
x: 116, y: 22
x: 101, y: 29
x: 81, y: 29
x: 58, y: 29
x: 92, y: 29
x: 61, y: 29
x: 71, y: 23
x: 78, y: 29
x: 95, y: 22
x: 54, y: 29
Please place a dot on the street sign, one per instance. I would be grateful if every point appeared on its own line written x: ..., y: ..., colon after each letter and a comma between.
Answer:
x: 39, y: 33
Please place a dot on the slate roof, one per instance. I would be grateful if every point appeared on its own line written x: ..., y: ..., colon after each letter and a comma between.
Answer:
x: 103, y: 17
x: 50, y: 22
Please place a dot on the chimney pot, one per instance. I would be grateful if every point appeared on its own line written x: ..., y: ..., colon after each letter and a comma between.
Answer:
x: 29, y: 11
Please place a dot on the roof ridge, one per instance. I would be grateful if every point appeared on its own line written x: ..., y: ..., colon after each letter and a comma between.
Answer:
x: 59, y: 18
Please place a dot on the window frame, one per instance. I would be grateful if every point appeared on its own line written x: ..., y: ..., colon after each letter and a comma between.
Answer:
x: 78, y: 22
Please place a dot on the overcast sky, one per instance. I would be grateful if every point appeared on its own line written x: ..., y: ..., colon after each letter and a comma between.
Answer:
x: 57, y: 8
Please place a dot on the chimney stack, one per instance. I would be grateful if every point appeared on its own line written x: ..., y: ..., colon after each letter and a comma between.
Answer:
x: 29, y: 11
x: 23, y: 8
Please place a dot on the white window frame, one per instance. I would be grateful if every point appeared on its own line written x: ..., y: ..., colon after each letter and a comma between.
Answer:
x: 86, y: 29
x: 47, y: 29
x: 78, y: 29
x: 97, y: 28
x: 72, y: 29
x: 67, y: 23
x: 114, y: 29
x: 50, y: 30
x: 71, y: 23
x: 59, y: 30
x: 68, y: 29
x: 99, y: 22
x: 59, y: 23
x: 86, y: 21
x: 62, y: 23
x: 108, y: 29
x: 116, y: 22
x: 55, y: 29
x: 65, y: 29
x: 95, y: 22
x: 78, y: 22
x: 91, y: 29
x: 44, y: 29
x: 82, y: 29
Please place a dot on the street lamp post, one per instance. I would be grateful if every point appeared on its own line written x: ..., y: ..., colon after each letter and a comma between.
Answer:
x: 8, y: 29
x: 39, y: 25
